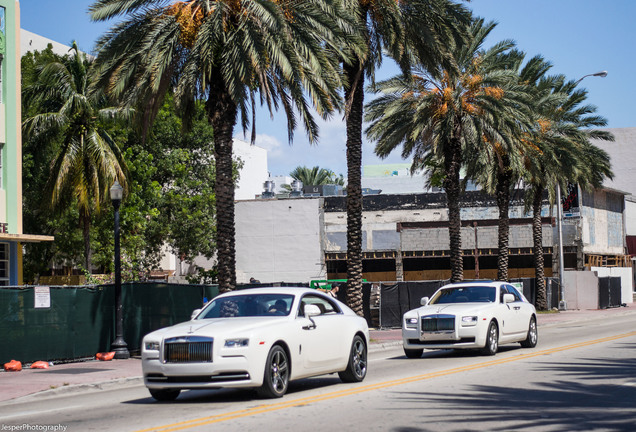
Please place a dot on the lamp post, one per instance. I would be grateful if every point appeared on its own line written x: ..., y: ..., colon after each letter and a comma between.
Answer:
x: 601, y: 74
x: 562, y: 303
x: 119, y: 345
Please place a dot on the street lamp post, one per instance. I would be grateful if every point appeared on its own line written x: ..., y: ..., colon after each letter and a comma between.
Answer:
x: 562, y: 303
x: 119, y: 345
x: 601, y: 74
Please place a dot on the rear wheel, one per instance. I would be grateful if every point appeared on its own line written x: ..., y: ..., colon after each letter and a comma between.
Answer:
x: 357, y: 365
x: 164, y: 395
x: 276, y: 378
x: 413, y: 353
x: 492, y: 340
x: 533, y: 335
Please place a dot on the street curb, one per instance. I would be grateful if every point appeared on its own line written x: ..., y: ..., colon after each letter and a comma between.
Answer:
x: 78, y: 388
x: 381, y: 346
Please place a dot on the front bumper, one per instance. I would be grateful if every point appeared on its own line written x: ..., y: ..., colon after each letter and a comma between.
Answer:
x: 460, y: 338
x: 233, y: 371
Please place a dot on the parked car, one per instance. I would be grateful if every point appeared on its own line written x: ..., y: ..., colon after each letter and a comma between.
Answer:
x: 470, y: 315
x: 261, y: 338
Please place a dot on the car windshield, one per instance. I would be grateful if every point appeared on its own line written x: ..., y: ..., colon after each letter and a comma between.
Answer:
x: 465, y: 294
x: 248, y: 306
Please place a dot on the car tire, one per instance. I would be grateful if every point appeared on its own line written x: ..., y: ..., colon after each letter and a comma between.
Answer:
x: 357, y: 364
x: 164, y: 395
x: 533, y: 335
x: 413, y: 353
x: 276, y: 375
x: 492, y: 340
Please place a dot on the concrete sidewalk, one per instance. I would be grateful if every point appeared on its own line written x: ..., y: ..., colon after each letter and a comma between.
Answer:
x: 96, y: 375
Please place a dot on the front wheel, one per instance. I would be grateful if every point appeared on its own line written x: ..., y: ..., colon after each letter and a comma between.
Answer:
x: 533, y: 335
x: 413, y: 353
x: 357, y: 365
x: 276, y: 378
x: 164, y: 395
x: 492, y: 340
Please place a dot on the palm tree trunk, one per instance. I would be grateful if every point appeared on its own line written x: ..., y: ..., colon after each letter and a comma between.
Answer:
x: 452, y: 162
x: 222, y: 112
x: 503, y: 202
x: 355, y: 96
x: 88, y: 253
x: 537, y: 238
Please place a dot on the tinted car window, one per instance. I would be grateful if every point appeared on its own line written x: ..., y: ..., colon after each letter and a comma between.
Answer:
x: 465, y: 294
x: 248, y: 306
x: 325, y: 305
x: 512, y: 290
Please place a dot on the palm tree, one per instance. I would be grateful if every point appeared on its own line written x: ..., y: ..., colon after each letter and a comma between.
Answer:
x: 314, y: 176
x: 426, y: 27
x: 437, y: 115
x: 563, y: 155
x: 500, y: 163
x: 226, y: 52
x: 88, y: 161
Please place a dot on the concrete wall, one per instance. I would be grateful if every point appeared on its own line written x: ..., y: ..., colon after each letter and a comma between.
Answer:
x: 380, y: 230
x: 31, y: 42
x: 625, y: 273
x: 622, y: 153
x: 254, y: 171
x: 279, y: 240
x: 630, y: 215
x: 602, y: 229
x: 580, y: 289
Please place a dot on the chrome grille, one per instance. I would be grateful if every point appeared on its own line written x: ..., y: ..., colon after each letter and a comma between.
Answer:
x: 188, y: 349
x: 438, y: 323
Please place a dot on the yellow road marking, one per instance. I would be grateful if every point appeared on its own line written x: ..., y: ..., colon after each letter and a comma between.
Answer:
x: 366, y: 388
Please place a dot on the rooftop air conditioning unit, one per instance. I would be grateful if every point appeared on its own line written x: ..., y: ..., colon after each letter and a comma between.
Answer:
x: 297, y: 188
x: 268, y: 189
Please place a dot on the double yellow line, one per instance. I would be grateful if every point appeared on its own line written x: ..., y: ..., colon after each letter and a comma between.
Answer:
x: 366, y: 388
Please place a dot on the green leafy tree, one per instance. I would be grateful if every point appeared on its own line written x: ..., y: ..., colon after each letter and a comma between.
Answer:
x: 171, y: 195
x: 225, y: 52
x: 439, y: 115
x: 87, y: 161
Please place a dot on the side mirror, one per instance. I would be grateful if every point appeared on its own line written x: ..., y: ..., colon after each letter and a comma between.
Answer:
x: 424, y: 301
x: 508, y: 298
x: 311, y: 310
x: 195, y: 313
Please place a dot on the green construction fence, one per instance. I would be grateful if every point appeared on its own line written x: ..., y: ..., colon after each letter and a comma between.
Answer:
x: 79, y: 321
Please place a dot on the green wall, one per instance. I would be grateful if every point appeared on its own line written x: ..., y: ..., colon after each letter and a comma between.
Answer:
x: 12, y: 152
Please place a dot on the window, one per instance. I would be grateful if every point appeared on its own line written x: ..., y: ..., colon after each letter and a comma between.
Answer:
x: 509, y: 289
x: 512, y: 290
x: 4, y: 264
x: 248, y: 305
x: 326, y: 306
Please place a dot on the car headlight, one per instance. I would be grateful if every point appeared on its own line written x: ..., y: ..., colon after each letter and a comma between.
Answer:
x: 236, y: 343
x: 410, y: 322
x: 152, y: 346
x: 469, y: 321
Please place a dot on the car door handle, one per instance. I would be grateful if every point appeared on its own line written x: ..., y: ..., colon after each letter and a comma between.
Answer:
x: 517, y: 307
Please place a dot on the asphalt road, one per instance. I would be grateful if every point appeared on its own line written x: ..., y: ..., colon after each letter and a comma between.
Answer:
x: 581, y: 376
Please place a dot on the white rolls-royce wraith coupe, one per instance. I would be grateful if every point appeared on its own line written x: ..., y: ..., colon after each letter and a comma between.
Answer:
x: 261, y: 338
x: 470, y: 315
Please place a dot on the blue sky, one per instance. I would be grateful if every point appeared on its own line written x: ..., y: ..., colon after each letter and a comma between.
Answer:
x: 578, y: 36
